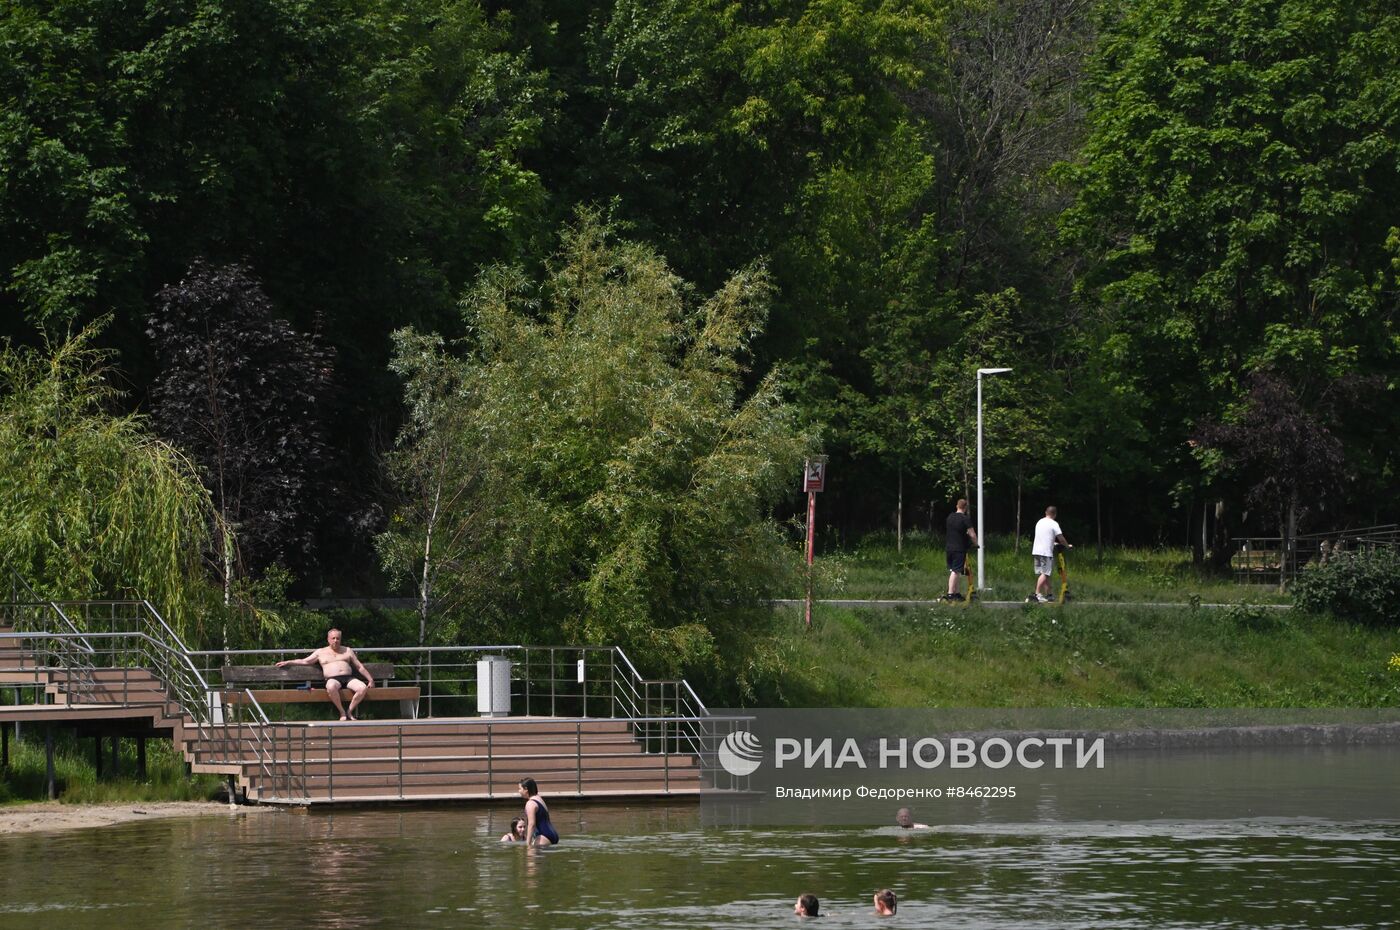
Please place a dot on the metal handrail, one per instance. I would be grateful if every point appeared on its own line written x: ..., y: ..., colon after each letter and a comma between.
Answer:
x: 629, y: 680
x: 75, y: 650
x: 662, y: 713
x: 35, y: 600
x: 390, y: 780
x: 187, y: 685
x: 165, y: 661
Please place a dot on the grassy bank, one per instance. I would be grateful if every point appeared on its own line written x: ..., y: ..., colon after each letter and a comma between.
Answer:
x: 1076, y: 655
x: 77, y: 777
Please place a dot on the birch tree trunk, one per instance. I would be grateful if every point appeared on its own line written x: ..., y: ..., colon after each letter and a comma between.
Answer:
x: 899, y: 516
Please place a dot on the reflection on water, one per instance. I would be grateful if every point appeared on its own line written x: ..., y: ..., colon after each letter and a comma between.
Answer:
x: 655, y: 866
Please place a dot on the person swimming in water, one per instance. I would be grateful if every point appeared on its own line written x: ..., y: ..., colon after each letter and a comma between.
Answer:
x: 538, y: 830
x: 516, y: 833
x: 905, y: 818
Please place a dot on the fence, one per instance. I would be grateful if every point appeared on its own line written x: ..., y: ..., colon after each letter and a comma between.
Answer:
x: 1266, y: 560
x: 78, y: 643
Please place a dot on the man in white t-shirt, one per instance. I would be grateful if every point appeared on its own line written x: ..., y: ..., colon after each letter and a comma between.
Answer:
x: 1047, y: 534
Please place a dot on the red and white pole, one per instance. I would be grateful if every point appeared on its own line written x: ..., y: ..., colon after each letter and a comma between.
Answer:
x: 811, y: 548
x: 813, y: 480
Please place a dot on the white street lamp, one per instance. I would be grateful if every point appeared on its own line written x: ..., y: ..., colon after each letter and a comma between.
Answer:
x: 981, y: 562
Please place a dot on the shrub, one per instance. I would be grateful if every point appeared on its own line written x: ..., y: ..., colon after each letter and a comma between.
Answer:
x: 1359, y: 586
x: 1255, y: 617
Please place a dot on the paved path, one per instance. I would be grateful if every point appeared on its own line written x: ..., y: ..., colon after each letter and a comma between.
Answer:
x: 882, y: 604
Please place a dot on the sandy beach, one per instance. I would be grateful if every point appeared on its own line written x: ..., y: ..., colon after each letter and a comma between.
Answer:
x: 36, y: 818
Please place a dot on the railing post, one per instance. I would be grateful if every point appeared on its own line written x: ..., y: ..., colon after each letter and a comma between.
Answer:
x: 400, y: 733
x: 578, y: 756
x: 51, y: 787
x: 330, y: 766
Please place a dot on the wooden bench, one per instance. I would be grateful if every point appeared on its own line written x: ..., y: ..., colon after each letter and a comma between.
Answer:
x: 312, y: 688
x: 1256, y: 560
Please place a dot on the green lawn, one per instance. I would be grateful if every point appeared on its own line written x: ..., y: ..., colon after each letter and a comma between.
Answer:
x: 875, y: 569
x: 1075, y: 655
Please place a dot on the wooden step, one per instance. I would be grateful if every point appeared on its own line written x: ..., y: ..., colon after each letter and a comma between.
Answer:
x: 107, y: 692
x: 544, y: 767
x: 430, y: 793
x: 54, y: 712
x: 22, y: 677
x: 369, y: 761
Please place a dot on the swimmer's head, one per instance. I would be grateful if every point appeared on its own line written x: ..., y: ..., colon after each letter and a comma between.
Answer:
x: 904, y: 817
x: 886, y: 903
x: 807, y: 906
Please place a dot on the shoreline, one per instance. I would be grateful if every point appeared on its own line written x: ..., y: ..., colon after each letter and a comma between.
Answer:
x: 53, y: 816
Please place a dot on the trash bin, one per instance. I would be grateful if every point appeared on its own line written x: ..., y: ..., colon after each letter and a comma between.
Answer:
x: 493, y: 686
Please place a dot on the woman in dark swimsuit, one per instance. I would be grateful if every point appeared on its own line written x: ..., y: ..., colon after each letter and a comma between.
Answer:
x: 538, y: 830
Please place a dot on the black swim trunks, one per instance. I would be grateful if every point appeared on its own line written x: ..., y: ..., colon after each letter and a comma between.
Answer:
x: 344, y: 679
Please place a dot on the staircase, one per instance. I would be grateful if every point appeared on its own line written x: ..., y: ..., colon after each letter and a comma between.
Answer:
x: 82, y: 678
x: 452, y: 759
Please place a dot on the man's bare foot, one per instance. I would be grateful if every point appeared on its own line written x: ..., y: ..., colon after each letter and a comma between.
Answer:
x: 343, y: 717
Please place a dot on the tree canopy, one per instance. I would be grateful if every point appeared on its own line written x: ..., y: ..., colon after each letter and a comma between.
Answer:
x: 1140, y: 209
x: 92, y: 503
x: 621, y: 476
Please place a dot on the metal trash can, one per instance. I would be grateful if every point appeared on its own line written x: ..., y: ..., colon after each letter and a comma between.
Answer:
x: 493, y: 686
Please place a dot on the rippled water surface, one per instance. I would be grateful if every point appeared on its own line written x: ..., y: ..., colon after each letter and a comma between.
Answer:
x: 1068, y: 855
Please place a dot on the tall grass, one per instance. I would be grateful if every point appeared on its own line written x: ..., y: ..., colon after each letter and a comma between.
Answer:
x: 77, y: 777
x: 1080, y: 656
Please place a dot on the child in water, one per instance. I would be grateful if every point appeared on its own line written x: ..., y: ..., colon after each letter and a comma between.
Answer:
x: 517, y: 831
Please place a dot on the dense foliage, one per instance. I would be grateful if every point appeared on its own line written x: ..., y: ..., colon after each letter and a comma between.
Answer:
x: 1237, y: 199
x: 91, y: 502
x: 610, y: 480
x: 1361, y: 587
x: 244, y: 395
x: 1174, y: 220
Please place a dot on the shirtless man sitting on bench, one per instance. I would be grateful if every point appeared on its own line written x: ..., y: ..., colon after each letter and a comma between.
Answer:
x: 336, y: 662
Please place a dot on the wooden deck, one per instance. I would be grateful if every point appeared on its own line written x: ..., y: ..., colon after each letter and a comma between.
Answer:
x: 365, y: 762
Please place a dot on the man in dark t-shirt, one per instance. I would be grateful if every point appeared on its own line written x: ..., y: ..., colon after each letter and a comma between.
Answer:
x: 960, y: 536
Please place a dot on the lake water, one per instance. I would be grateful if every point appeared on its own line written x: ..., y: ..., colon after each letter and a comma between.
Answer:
x: 1323, y: 851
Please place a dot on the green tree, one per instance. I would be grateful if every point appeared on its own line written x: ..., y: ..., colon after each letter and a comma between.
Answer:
x: 869, y: 253
x: 623, y: 476
x: 91, y: 504
x: 431, y: 539
x: 363, y: 157
x: 1236, y: 192
x: 353, y: 148
x: 243, y: 394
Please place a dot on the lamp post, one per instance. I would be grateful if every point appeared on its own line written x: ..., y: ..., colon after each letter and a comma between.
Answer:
x: 981, y: 562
